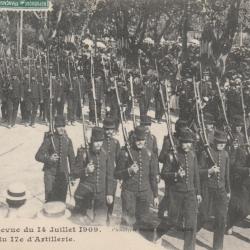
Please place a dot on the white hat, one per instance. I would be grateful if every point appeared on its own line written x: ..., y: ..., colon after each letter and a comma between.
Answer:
x: 54, y: 210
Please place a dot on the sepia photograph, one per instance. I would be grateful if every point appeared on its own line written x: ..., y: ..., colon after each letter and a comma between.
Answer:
x: 125, y: 124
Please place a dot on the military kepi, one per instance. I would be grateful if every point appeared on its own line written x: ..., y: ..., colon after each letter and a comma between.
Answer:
x: 60, y: 121
x: 97, y: 134
x: 186, y: 137
x: 109, y: 123
x: 220, y: 137
x: 140, y: 133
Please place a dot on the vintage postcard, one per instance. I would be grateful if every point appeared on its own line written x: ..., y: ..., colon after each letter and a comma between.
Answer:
x: 125, y: 124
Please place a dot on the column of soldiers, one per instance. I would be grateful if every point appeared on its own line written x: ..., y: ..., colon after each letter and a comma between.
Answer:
x: 26, y: 84
x: 202, y: 180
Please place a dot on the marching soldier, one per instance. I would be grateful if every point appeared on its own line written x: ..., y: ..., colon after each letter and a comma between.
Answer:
x: 216, y: 188
x: 96, y: 184
x: 180, y: 125
x: 82, y: 84
x: 239, y: 206
x: 159, y: 111
x: 145, y: 96
x: 112, y: 147
x: 15, y: 95
x: 112, y: 104
x: 55, y: 153
x: 59, y: 95
x: 72, y: 98
x: 184, y: 190
x: 150, y: 142
x: 34, y: 94
x: 237, y: 125
x: 139, y: 181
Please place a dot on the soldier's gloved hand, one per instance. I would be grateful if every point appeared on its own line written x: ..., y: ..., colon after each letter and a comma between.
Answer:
x: 41, y: 101
x: 181, y: 173
x: 133, y: 169
x: 21, y: 99
x: 229, y: 196
x: 156, y: 202
x: 54, y: 157
x: 199, y: 199
x: 213, y: 170
x: 110, y: 199
x: 90, y: 167
x: 58, y: 99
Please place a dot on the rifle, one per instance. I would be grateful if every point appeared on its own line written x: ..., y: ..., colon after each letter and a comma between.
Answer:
x: 124, y: 130
x: 58, y: 71
x: 244, y: 118
x: 228, y: 128
x: 41, y: 70
x: 93, y: 87
x: 70, y: 80
x: 51, y: 125
x: 132, y: 99
x: 7, y: 71
x: 201, y: 123
x: 29, y: 89
x: 168, y: 120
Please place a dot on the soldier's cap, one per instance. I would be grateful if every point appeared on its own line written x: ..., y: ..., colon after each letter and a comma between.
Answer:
x: 140, y: 133
x: 145, y: 121
x: 186, y: 136
x: 237, y: 120
x: 108, y: 123
x: 54, y: 210
x: 97, y: 134
x: 180, y: 124
x: 209, y: 118
x: 60, y: 121
x: 220, y: 136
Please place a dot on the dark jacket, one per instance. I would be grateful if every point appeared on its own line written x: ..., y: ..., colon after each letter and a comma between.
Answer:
x: 64, y: 149
x: 220, y: 180
x: 146, y: 178
x: 101, y: 180
x: 188, y: 161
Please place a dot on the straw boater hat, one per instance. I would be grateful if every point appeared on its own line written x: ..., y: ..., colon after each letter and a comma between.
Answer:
x: 16, y: 194
x: 54, y: 210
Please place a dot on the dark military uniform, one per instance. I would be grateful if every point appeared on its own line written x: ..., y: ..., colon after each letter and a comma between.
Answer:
x: 214, y: 192
x: 56, y: 173
x: 112, y: 147
x: 146, y: 93
x: 239, y: 206
x: 15, y: 93
x: 137, y: 188
x: 113, y: 104
x: 182, y: 195
x: 159, y: 111
x: 72, y: 98
x: 33, y: 94
x: 58, y: 96
x: 94, y: 187
x: 83, y: 82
